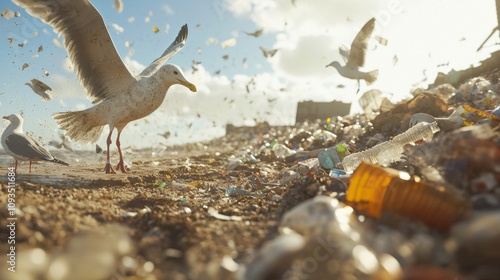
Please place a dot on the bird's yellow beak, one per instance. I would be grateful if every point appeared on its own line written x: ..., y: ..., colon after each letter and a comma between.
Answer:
x: 187, y: 84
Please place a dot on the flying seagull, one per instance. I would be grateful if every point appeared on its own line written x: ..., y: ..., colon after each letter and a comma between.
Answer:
x: 268, y: 53
x: 256, y: 33
x: 356, y: 57
x: 40, y: 88
x: 64, y: 143
x: 118, y: 96
x: 21, y: 146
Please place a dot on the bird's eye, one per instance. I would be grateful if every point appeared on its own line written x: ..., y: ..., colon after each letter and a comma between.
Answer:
x: 175, y: 72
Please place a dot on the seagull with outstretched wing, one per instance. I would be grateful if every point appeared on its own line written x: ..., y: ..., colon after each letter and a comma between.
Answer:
x: 356, y: 57
x: 119, y: 97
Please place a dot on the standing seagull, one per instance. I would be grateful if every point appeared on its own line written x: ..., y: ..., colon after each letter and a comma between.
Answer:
x: 118, y: 96
x: 22, y: 147
x: 357, y: 57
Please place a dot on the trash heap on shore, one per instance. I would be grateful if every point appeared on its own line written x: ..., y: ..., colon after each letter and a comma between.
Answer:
x: 403, y: 191
x: 408, y: 192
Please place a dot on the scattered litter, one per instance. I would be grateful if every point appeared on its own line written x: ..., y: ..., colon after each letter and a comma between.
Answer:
x: 228, y: 43
x: 117, y: 28
x: 7, y: 14
x: 214, y: 213
x: 57, y: 43
x: 118, y: 5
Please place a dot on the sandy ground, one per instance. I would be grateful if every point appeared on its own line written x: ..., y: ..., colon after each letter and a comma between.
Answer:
x: 165, y: 205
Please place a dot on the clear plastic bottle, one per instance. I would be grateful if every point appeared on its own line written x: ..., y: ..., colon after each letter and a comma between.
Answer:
x: 421, y: 131
x: 390, y: 154
x: 282, y: 151
x: 390, y: 151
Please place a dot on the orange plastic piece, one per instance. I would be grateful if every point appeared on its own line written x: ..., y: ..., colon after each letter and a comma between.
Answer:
x: 481, y: 113
x: 374, y: 190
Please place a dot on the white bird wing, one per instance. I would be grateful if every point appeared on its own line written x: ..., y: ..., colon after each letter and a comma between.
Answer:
x: 27, y: 147
x: 360, y: 44
x: 40, y: 88
x: 85, y: 36
x: 175, y: 47
x: 344, y: 52
x: 40, y: 85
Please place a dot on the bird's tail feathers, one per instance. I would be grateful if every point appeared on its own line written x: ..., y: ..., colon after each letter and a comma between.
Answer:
x: 371, y: 77
x: 79, y: 126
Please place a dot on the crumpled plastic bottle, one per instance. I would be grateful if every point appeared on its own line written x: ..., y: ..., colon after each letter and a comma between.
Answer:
x: 390, y: 151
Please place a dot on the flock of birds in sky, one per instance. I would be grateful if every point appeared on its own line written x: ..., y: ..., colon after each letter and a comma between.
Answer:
x: 118, y: 96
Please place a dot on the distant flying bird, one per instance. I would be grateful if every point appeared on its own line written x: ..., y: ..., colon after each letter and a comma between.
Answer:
x: 256, y: 33
x: 165, y: 135
x: 119, y: 96
x: 268, y: 53
x: 64, y: 143
x: 40, y: 88
x: 21, y: 146
x: 356, y: 58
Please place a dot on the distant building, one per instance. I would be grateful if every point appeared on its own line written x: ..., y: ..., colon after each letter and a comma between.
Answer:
x: 309, y: 110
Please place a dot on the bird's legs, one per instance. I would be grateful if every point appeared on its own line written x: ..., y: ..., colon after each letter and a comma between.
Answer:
x: 30, y: 167
x: 108, y: 168
x: 359, y: 85
x: 121, y: 164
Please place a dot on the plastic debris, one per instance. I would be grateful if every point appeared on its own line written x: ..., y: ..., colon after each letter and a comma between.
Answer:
x: 228, y: 43
x: 214, y: 213
x: 281, y: 151
x: 374, y: 190
x: 7, y: 14
x: 331, y: 157
x: 391, y: 151
x: 275, y: 254
x: 233, y: 191
x: 337, y: 173
x: 118, y: 5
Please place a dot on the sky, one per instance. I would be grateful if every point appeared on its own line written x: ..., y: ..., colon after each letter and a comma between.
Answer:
x: 236, y: 83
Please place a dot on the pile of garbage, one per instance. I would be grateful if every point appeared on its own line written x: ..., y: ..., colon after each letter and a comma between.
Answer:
x: 403, y: 191
x: 415, y: 193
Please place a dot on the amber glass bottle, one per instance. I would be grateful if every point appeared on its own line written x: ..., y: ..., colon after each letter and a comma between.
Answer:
x: 374, y: 190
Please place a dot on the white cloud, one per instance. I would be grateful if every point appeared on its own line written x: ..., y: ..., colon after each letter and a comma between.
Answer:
x: 134, y: 66
x: 168, y: 10
x: 67, y: 65
x: 309, y: 34
x: 66, y: 86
